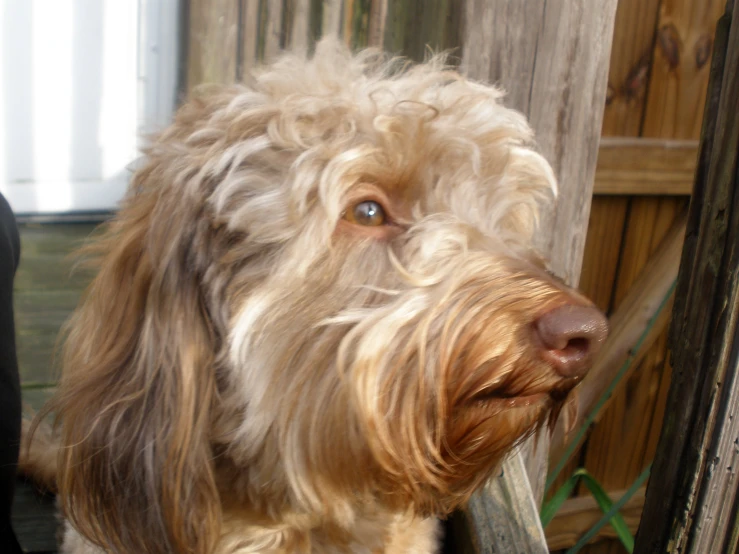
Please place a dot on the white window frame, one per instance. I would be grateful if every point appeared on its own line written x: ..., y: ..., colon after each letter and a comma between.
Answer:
x: 158, y: 70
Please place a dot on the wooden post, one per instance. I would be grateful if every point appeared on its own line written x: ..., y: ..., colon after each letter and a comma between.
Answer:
x: 553, y: 59
x: 692, y: 502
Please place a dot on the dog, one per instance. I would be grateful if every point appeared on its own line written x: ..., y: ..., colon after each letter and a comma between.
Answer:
x: 318, y: 323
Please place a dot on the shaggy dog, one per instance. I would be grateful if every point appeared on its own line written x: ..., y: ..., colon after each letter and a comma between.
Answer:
x: 317, y: 322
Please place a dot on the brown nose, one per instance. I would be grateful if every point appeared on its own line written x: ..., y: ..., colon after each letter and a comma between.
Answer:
x: 571, y: 335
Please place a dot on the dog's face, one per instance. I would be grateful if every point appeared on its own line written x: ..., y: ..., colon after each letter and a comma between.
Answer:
x: 320, y: 293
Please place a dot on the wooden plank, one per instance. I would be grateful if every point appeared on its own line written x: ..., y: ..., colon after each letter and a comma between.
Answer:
x: 691, y: 500
x: 416, y: 27
x: 503, y: 515
x: 631, y: 60
x: 377, y: 19
x: 555, y: 60
x: 357, y: 23
x: 645, y: 166
x: 297, y: 24
x: 682, y: 54
x: 566, y: 110
x: 271, y: 29
x: 580, y: 513
x: 602, y: 247
x: 34, y: 519
x: 212, y: 42
x: 332, y: 17
x: 46, y: 291
x: 249, y: 36
x: 490, y: 28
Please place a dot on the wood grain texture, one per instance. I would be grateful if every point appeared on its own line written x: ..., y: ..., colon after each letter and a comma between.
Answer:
x: 491, y: 28
x: 628, y: 323
x: 602, y: 248
x: 557, y: 76
x: 552, y: 58
x: 566, y: 111
x: 578, y: 514
x: 357, y: 23
x: 35, y: 519
x: 631, y: 60
x: 691, y: 497
x: 249, y: 36
x: 677, y: 87
x: 297, y: 24
x: 271, y: 33
x: 212, y: 42
x: 645, y: 166
x: 503, y: 515
x: 377, y: 20
x: 418, y: 27
x: 617, y: 451
x: 332, y: 17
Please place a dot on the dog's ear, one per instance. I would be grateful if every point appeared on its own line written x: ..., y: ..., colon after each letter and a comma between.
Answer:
x: 135, y: 467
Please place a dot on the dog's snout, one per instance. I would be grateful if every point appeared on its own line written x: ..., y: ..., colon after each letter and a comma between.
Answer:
x: 570, y: 336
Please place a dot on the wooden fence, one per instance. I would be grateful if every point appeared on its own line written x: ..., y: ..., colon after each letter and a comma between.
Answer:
x: 658, y: 78
x: 657, y: 82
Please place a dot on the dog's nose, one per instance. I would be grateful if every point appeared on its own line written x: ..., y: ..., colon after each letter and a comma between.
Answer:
x: 570, y: 337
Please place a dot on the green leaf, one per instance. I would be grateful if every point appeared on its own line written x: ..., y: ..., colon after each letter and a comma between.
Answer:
x: 552, y: 506
x: 585, y: 539
x: 605, y: 504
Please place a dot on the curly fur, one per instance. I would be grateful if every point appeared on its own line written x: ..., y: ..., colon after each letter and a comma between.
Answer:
x: 251, y: 372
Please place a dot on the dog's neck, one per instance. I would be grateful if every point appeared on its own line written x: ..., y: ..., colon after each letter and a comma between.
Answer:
x: 250, y: 525
x: 245, y: 531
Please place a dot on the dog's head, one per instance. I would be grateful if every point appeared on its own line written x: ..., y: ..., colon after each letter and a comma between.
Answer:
x: 321, y: 287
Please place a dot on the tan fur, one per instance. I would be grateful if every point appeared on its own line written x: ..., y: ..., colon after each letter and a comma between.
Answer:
x: 251, y: 372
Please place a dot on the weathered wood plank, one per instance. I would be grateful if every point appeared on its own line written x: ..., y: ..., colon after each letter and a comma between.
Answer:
x: 566, y: 110
x: 491, y: 28
x: 212, y: 42
x: 416, y: 27
x: 34, y: 519
x: 271, y: 29
x: 691, y: 499
x: 377, y: 19
x: 332, y: 17
x: 249, y: 36
x: 297, y: 24
x: 46, y: 292
x: 504, y: 516
x: 357, y: 23
x: 553, y: 58
x: 638, y: 166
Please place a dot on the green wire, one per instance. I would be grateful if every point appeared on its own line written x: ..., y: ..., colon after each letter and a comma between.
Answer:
x: 36, y: 385
x: 607, y: 393
x: 585, y: 539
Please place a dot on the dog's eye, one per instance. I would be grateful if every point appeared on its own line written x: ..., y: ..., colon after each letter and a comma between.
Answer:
x: 368, y: 213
